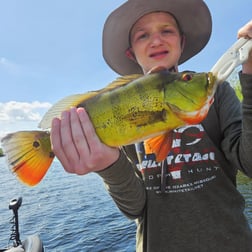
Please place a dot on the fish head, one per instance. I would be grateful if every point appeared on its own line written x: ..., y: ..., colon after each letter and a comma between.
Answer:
x: 190, y: 95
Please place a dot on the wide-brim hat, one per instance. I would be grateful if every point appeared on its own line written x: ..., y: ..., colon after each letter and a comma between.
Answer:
x: 193, y: 16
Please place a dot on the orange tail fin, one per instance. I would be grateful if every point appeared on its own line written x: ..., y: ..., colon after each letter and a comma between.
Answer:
x: 29, y: 155
x: 159, y: 145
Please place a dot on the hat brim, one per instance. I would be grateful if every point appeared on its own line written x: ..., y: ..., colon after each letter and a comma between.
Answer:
x: 193, y: 16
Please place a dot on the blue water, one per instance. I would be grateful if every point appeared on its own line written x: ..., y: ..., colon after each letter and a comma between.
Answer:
x: 72, y: 213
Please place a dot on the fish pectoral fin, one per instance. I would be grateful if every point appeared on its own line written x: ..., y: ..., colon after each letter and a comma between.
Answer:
x: 26, y: 156
x: 159, y: 145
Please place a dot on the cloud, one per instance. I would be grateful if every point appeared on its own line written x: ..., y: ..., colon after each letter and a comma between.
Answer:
x: 15, y: 116
x: 22, y: 111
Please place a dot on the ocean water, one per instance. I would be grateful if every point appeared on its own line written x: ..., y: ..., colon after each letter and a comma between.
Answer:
x: 72, y: 213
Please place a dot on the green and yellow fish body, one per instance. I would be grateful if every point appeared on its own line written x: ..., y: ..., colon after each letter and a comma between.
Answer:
x: 131, y: 109
x: 146, y: 106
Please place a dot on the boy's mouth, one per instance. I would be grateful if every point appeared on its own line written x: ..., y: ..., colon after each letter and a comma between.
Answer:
x: 158, y: 54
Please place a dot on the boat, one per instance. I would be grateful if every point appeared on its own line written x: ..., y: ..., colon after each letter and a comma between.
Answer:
x: 32, y: 243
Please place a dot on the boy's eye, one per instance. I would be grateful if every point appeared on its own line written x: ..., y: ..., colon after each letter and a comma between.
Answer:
x: 143, y: 36
x: 166, y: 31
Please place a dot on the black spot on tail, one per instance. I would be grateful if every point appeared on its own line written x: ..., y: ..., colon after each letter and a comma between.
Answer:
x: 51, y: 154
x: 36, y: 144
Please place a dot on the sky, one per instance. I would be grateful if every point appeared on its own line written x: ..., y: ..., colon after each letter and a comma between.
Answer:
x: 52, y: 48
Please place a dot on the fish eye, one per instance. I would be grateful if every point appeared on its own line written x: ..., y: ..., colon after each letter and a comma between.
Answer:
x: 186, y: 77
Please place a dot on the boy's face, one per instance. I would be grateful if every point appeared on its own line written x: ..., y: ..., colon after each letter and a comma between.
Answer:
x: 156, y: 41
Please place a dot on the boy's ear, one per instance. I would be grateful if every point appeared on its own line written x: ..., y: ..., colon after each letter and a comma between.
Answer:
x: 182, y: 44
x: 130, y: 54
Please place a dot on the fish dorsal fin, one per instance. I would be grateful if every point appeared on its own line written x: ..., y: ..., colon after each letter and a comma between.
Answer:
x: 156, y: 69
x: 62, y: 105
x: 159, y: 145
x: 121, y: 81
x: 74, y: 100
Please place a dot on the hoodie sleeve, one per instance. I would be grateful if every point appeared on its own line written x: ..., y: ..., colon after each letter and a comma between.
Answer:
x: 125, y: 186
x: 236, y: 125
x: 246, y: 139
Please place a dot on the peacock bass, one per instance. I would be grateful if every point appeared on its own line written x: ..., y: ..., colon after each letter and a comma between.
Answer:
x: 131, y: 109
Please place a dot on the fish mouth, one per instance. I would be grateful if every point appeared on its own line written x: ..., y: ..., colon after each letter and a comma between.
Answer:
x: 211, y: 84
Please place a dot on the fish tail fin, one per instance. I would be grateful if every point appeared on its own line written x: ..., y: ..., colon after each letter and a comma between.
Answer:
x: 29, y: 155
x: 159, y: 145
